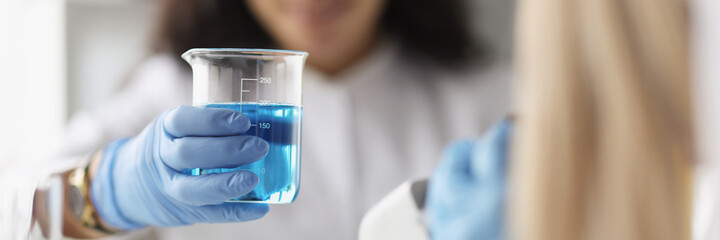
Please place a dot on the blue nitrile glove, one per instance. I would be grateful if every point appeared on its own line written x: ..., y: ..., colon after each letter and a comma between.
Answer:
x: 139, y: 180
x: 466, y: 193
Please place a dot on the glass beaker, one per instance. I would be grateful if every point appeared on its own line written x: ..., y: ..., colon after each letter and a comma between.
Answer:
x: 266, y: 86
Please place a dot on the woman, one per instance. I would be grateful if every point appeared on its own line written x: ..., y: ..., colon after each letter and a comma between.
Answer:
x: 602, y: 146
x: 388, y: 84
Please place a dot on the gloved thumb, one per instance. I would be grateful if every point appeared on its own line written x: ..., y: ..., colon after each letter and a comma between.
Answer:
x: 489, y: 158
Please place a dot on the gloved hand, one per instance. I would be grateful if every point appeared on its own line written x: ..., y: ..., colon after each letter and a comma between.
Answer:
x: 466, y: 193
x: 139, y: 180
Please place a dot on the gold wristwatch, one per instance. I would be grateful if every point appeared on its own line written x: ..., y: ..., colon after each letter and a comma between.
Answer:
x: 78, y: 197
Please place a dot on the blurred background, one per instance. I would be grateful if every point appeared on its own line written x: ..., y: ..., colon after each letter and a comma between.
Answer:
x: 66, y: 55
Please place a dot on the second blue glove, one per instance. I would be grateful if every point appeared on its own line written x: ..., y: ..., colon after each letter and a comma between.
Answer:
x: 466, y: 193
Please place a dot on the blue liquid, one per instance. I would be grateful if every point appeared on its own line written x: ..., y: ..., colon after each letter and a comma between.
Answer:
x: 279, y: 170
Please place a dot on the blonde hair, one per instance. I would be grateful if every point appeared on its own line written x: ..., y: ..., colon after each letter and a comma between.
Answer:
x: 603, y: 144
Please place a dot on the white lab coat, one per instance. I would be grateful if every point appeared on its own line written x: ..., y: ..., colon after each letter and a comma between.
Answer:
x: 365, y: 131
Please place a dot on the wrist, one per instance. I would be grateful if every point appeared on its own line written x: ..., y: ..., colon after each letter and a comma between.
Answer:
x: 91, y: 173
x: 103, y: 189
x: 78, y: 196
x: 94, y: 164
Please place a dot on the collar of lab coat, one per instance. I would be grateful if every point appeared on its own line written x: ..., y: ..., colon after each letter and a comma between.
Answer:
x: 377, y: 61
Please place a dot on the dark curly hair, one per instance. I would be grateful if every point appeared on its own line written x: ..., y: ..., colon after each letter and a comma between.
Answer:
x: 436, y: 30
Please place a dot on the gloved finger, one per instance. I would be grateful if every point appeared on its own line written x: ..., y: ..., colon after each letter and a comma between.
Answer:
x: 455, y: 166
x: 451, y: 176
x: 490, y: 154
x: 230, y: 212
x: 213, y: 152
x: 187, y: 121
x: 210, y: 189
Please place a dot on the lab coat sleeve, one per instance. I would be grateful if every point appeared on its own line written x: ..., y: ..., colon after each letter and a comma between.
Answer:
x: 159, y: 83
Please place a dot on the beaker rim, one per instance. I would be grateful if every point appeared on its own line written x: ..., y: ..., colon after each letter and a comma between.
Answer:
x: 245, y: 52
